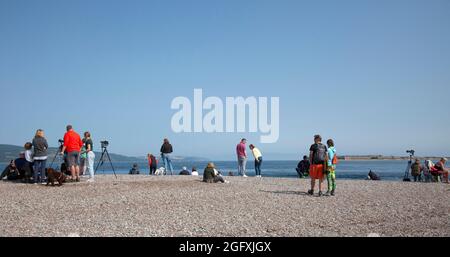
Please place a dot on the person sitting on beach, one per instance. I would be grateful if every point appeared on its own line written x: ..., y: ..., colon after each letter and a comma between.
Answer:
x: 441, y: 170
x: 331, y: 167
x: 25, y: 168
x: 303, y: 167
x: 152, y: 163
x: 194, y: 171
x: 134, y: 170
x: 212, y: 175
x: 184, y: 171
x: 258, y: 159
x: 373, y: 176
x: 10, y: 172
x: 317, y: 155
x: 416, y: 170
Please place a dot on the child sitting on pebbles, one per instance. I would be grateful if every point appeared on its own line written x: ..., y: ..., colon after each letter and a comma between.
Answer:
x: 212, y: 175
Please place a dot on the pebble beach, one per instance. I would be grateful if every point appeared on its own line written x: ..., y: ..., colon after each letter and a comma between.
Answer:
x: 184, y: 206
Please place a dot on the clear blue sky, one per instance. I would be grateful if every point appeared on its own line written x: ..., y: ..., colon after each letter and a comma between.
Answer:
x: 373, y: 75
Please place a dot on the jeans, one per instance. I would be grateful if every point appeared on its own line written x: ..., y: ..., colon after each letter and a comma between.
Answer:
x: 167, y: 162
x: 39, y: 168
x: 242, y: 162
x: 258, y: 166
x: 89, y: 163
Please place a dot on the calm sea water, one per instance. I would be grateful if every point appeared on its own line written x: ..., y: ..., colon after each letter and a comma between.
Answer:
x: 387, y: 169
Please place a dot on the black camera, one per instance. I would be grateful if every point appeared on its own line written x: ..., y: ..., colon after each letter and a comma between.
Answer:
x: 61, y: 141
x: 104, y: 143
x: 411, y: 152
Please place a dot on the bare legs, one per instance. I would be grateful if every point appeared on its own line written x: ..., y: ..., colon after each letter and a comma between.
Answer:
x: 75, y: 172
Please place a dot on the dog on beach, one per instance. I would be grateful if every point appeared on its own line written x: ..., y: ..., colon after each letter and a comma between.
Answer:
x: 160, y: 172
x: 55, y: 176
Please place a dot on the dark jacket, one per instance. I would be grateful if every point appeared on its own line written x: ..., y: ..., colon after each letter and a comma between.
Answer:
x: 40, y: 147
x: 303, y: 166
x: 134, y: 171
x: 166, y: 148
x: 209, y: 175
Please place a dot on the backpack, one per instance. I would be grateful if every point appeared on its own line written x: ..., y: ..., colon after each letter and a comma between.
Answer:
x: 335, y: 159
x: 320, y: 154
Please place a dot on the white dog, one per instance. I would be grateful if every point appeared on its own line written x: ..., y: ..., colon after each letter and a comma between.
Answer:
x: 161, y: 171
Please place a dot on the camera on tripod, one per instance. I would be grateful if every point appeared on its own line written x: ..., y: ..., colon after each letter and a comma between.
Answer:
x: 411, y: 152
x: 60, y: 141
x: 102, y: 158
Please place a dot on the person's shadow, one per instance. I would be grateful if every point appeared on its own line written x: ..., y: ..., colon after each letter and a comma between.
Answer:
x: 286, y: 192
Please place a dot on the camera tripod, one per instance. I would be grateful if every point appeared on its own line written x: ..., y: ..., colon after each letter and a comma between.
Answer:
x: 101, y: 161
x: 57, y: 153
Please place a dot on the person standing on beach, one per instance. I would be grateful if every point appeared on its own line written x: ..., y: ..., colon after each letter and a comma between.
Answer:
x: 242, y: 157
x: 29, y: 160
x: 166, y: 151
x: 317, y: 155
x: 331, y: 167
x: 258, y: 159
x: 40, y: 147
x: 152, y: 163
x: 90, y: 155
x: 83, y: 156
x: 72, y: 144
x: 416, y: 170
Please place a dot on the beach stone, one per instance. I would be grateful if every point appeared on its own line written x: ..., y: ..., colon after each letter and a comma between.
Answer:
x: 184, y: 206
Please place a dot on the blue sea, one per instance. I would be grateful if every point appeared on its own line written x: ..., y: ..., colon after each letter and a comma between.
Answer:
x: 387, y: 169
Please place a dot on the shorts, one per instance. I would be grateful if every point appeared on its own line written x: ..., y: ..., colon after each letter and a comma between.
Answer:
x: 73, y: 158
x: 316, y: 171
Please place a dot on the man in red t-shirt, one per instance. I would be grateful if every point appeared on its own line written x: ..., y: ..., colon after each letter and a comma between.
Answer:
x: 242, y: 157
x: 72, y: 145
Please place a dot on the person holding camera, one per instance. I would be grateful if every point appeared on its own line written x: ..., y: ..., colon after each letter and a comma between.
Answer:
x: 72, y: 144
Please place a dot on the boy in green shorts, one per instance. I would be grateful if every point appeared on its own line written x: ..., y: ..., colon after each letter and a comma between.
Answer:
x: 331, y: 168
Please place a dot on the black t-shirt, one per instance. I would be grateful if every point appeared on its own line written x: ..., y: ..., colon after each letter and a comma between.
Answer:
x: 89, y: 142
x: 319, y: 153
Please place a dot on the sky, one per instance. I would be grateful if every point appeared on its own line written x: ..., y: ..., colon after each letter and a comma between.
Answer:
x: 372, y: 75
